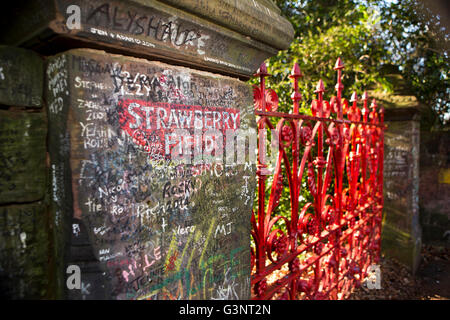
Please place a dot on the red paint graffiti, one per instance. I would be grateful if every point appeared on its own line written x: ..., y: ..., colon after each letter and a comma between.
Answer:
x: 153, y: 125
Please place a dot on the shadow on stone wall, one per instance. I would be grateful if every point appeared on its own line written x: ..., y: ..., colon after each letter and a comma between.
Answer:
x: 434, y: 194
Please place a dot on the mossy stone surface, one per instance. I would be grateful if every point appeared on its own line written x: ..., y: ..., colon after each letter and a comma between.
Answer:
x: 23, y: 251
x: 22, y: 156
x: 21, y: 77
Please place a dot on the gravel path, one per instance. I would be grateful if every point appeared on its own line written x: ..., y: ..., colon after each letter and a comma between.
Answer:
x: 432, y: 281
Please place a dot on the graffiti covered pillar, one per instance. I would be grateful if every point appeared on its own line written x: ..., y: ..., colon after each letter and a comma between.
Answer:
x: 152, y: 141
x: 145, y: 201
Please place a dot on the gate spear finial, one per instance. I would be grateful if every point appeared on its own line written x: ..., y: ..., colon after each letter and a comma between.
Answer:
x: 339, y: 86
x: 339, y: 64
x: 320, y: 88
x: 296, y: 96
x: 365, y: 110
x: 262, y: 71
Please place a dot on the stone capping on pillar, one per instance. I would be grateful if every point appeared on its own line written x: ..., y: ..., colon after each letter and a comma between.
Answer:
x: 259, y: 19
x: 400, y: 104
x: 227, y: 37
x: 402, y: 114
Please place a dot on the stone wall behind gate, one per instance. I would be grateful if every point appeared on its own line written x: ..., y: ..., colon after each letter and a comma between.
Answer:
x: 435, y: 186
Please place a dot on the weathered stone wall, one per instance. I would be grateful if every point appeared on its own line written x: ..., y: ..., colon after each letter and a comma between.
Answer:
x: 435, y: 186
x: 24, y: 246
x: 93, y: 180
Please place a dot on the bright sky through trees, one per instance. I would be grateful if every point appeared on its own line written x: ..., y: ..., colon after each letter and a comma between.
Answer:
x: 373, y: 38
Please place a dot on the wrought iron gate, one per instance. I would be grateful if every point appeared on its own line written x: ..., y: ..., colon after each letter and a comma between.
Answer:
x: 321, y: 249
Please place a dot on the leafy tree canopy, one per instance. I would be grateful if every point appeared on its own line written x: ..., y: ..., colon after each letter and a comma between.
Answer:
x: 368, y: 35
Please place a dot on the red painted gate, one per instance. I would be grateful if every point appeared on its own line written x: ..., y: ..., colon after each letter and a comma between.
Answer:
x: 320, y: 249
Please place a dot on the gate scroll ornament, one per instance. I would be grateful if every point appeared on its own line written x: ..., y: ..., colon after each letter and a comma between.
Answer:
x: 327, y: 244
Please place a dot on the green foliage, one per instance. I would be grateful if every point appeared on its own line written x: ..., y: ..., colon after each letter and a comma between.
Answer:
x: 368, y: 35
x: 418, y: 43
x: 326, y: 30
x: 373, y: 38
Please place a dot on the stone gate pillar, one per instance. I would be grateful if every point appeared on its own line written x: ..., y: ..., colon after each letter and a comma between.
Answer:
x: 152, y: 141
x: 401, y: 233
